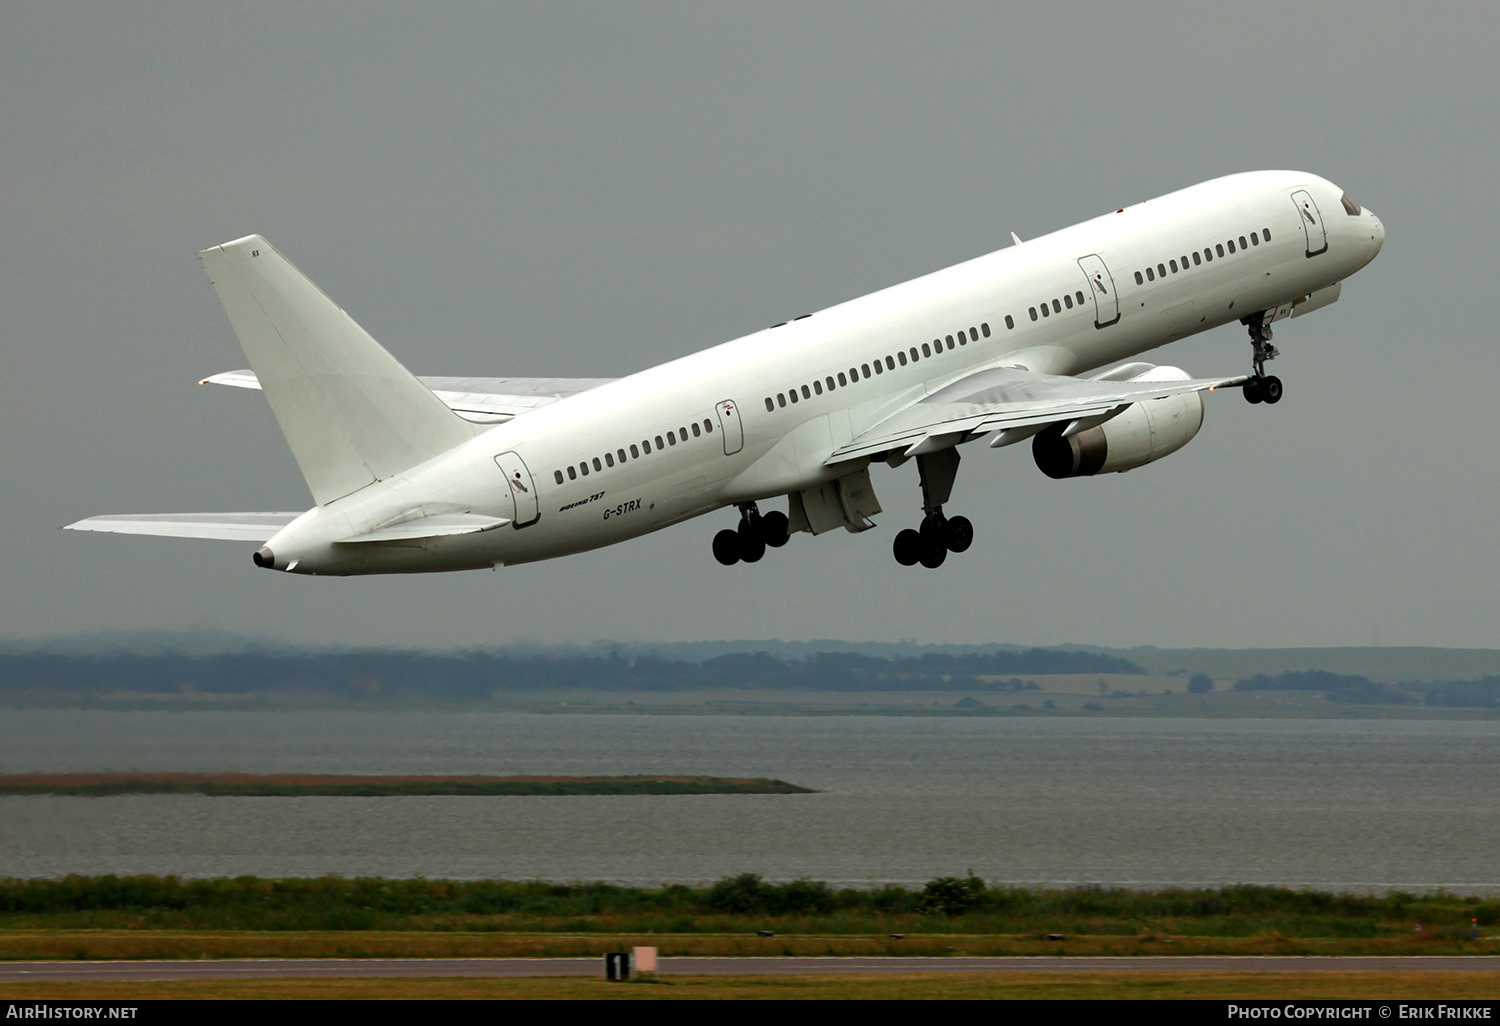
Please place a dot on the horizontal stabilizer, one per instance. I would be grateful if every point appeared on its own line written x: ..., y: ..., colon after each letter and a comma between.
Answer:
x: 477, y: 400
x: 429, y: 527
x: 251, y: 527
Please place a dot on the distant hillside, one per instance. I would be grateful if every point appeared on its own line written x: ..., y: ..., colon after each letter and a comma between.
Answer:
x: 1382, y: 665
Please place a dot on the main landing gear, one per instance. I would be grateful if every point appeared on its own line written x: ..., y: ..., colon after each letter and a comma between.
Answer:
x: 939, y: 534
x: 748, y: 542
x: 1261, y: 388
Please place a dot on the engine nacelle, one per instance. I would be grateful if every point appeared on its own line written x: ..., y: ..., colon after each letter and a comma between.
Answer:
x: 1145, y: 432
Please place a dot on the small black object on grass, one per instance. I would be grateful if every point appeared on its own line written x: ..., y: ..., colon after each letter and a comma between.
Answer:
x: 765, y: 933
x: 1056, y: 937
x: 898, y: 936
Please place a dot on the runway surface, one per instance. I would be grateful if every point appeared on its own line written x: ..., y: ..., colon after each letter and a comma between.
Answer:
x: 269, y: 968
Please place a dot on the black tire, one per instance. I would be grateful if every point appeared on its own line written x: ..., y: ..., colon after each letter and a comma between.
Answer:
x: 752, y: 542
x: 959, y: 534
x: 1252, y: 391
x: 907, y: 547
x: 727, y: 547
x: 774, y: 529
x: 933, y: 553
x: 1270, y: 390
x: 934, y: 529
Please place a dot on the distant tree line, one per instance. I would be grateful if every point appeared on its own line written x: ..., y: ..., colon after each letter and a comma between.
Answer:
x: 474, y: 675
x: 1338, y: 687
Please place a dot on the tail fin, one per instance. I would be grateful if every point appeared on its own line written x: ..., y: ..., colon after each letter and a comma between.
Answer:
x: 350, y: 412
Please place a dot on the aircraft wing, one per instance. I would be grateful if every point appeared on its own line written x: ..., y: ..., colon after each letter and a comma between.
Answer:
x: 1006, y: 397
x: 252, y: 527
x: 480, y: 400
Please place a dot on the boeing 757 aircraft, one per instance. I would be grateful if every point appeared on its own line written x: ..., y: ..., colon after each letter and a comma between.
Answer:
x: 443, y: 473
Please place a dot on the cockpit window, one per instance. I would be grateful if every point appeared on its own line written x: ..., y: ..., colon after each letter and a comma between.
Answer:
x: 1350, y: 205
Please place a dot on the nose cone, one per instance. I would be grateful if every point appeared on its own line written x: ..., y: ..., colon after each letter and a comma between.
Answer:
x: 1377, y: 233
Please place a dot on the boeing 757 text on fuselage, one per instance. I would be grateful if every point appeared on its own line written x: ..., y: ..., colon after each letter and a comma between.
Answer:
x: 420, y: 474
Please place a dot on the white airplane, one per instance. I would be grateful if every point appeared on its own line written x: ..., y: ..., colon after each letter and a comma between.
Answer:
x: 423, y: 474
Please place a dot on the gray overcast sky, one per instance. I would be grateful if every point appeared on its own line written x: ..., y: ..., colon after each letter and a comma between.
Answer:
x: 589, y: 190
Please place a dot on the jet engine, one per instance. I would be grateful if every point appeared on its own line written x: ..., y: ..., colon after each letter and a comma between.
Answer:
x: 1143, y: 432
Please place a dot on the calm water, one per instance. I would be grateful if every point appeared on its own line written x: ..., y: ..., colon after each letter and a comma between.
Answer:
x: 1127, y: 802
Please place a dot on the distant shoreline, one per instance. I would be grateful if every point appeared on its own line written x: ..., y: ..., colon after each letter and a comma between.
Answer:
x: 297, y: 785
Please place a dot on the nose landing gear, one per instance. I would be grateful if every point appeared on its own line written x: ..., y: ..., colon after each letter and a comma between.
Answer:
x: 1262, y: 388
x: 749, y: 541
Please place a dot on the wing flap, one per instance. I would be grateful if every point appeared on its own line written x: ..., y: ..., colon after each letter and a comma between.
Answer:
x: 252, y: 527
x: 1008, y: 397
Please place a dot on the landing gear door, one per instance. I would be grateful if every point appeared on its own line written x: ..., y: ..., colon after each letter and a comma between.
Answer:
x: 1102, y: 288
x: 1312, y: 223
x: 522, y: 489
x: 730, y: 427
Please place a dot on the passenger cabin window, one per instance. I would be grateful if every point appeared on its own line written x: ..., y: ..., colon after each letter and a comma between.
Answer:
x: 914, y: 354
x: 558, y: 474
x: 805, y: 393
x: 818, y: 387
x: 621, y: 453
x: 1068, y: 302
x: 609, y: 459
x: 1242, y: 243
x: 682, y: 433
x: 1056, y: 306
x: 1138, y: 279
x: 770, y: 406
x: 1161, y: 270
x: 1255, y: 238
x: 866, y: 368
x: 1197, y: 260
x: 902, y: 358
x: 572, y: 474
x: 671, y: 438
x: 697, y: 431
x: 708, y: 427
x: 793, y: 395
x: 597, y: 464
x: 1009, y: 325
x: 926, y: 350
x: 1150, y: 275
x: 583, y: 468
x: 842, y: 379
x: 1045, y: 311
x: 660, y: 444
x: 879, y: 368
x: 1219, y: 249
x: 781, y: 399
x: 1265, y: 233
x: 1231, y: 245
x: 890, y: 364
x: 1184, y: 263
x: 1033, y: 312
x: 635, y: 453
x: 1172, y: 264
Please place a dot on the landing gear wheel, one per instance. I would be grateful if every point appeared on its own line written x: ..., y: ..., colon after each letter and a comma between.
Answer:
x: 958, y: 534
x: 773, y: 528
x: 907, y: 547
x: 727, y: 547
x: 1253, y: 393
x: 751, y: 542
x: 933, y: 552
x: 1270, y: 390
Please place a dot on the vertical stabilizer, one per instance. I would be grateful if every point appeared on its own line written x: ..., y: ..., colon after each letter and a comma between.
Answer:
x: 350, y: 412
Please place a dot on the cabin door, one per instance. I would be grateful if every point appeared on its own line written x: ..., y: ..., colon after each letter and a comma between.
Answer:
x: 1312, y: 223
x: 1102, y: 288
x: 729, y: 424
x: 528, y: 510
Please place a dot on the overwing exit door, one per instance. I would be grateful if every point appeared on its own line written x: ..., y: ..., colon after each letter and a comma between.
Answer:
x: 528, y: 510
x: 1102, y: 287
